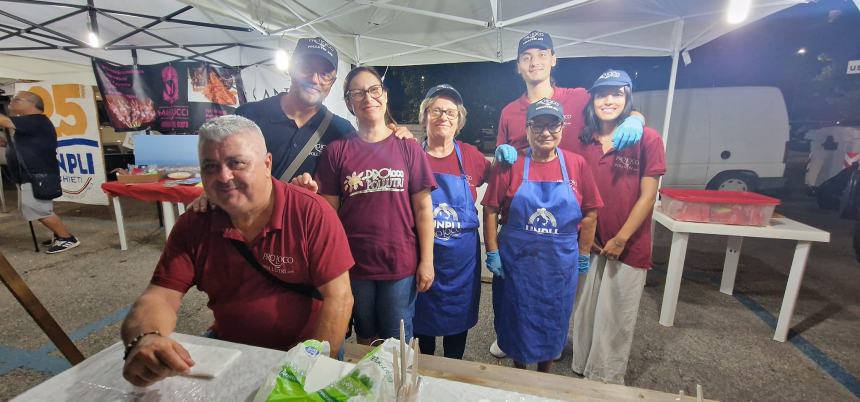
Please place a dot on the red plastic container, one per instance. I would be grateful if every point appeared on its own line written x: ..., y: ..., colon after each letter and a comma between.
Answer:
x: 712, y: 206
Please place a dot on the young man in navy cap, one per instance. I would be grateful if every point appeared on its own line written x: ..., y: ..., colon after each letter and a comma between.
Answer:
x: 535, y: 60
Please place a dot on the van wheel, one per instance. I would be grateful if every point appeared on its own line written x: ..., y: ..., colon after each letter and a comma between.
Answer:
x: 734, y: 181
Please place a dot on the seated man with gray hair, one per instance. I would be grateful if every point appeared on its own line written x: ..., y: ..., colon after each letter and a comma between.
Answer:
x: 273, y: 259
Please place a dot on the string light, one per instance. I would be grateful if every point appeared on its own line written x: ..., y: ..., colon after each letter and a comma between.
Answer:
x: 738, y: 11
x: 282, y: 60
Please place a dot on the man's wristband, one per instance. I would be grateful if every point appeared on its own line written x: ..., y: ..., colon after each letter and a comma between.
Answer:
x: 129, y: 346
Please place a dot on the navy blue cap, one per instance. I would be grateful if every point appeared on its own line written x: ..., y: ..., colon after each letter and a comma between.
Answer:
x: 612, y: 78
x: 316, y: 47
x: 534, y: 40
x: 545, y: 107
x: 444, y: 89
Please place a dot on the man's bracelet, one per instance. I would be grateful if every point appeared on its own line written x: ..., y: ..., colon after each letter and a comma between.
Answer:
x: 135, y: 341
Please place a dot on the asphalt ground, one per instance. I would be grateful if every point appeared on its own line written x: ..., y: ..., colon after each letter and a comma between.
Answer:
x: 722, y: 342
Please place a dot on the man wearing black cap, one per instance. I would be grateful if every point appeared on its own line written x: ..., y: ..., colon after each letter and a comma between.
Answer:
x: 295, y: 124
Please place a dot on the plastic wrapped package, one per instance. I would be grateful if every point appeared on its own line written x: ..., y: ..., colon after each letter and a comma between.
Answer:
x: 306, y: 368
x: 371, y: 379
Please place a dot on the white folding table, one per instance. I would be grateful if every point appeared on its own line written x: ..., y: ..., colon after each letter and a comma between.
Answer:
x: 779, y: 228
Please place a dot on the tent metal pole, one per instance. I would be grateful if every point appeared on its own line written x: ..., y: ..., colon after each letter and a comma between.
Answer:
x: 130, y: 25
x: 316, y: 31
x: 150, y: 25
x: 678, y: 35
x: 340, y: 12
x: 13, y: 29
x: 44, y: 28
x: 357, y: 40
x: 419, y: 46
x: 541, y: 13
x: 433, y: 47
x: 238, y: 14
x: 66, y: 48
x: 433, y: 14
x: 37, y: 26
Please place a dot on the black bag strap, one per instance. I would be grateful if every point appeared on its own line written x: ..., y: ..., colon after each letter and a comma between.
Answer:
x: 294, y: 166
x: 305, y: 290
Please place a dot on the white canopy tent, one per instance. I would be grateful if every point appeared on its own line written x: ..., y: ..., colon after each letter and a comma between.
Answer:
x: 373, y: 32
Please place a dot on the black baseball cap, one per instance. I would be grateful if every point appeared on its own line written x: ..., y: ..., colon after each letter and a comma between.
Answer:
x: 545, y: 107
x: 445, y: 89
x: 534, y: 40
x: 612, y: 78
x: 316, y: 47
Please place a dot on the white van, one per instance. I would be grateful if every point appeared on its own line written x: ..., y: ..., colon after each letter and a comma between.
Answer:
x: 729, y: 138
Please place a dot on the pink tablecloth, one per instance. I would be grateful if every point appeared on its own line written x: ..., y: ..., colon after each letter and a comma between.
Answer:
x: 153, y: 191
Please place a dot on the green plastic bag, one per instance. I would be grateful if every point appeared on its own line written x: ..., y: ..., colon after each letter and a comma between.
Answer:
x: 372, y: 379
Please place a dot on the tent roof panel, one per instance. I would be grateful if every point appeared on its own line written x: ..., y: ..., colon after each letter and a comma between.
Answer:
x: 391, y: 31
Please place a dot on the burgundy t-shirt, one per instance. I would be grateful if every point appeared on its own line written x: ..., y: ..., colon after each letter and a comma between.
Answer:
x: 303, y: 243
x: 505, y: 180
x: 477, y: 167
x: 375, y: 183
x: 512, y: 121
x: 619, y: 173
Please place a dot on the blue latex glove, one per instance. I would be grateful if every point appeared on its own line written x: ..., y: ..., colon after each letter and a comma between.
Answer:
x: 494, y: 263
x: 584, y: 263
x: 627, y: 133
x: 508, y: 154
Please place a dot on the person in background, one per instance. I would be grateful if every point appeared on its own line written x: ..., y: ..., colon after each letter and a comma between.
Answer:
x: 450, y: 308
x: 35, y: 140
x: 608, y: 303
x: 535, y: 61
x: 547, y: 204
x: 380, y: 185
x: 273, y: 259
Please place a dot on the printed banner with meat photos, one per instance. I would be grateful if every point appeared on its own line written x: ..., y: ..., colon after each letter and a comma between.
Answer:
x: 170, y: 97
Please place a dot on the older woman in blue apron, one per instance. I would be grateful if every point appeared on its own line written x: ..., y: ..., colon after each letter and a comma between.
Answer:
x: 547, y: 204
x: 450, y: 308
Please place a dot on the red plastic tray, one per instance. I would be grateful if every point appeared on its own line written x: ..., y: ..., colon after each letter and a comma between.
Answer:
x: 719, y: 197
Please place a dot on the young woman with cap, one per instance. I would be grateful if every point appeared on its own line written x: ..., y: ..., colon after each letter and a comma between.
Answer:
x: 547, y: 204
x: 450, y: 308
x: 608, y: 302
x: 535, y: 61
x: 380, y: 185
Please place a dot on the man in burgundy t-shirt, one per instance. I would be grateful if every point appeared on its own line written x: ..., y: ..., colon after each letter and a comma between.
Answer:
x: 296, y: 242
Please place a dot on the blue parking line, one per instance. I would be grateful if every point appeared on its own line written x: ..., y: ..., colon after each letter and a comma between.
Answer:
x: 41, y: 360
x: 833, y: 369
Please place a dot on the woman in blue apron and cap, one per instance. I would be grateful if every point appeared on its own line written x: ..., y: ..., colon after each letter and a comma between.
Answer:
x: 547, y: 205
x: 450, y: 308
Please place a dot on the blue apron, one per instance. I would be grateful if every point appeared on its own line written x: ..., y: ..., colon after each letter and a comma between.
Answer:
x: 451, y: 305
x: 539, y: 250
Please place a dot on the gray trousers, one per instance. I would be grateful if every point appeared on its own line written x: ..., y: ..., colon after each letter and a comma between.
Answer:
x: 607, y: 304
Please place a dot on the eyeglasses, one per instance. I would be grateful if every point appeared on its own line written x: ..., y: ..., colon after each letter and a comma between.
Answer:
x: 452, y: 114
x: 553, y: 128
x: 357, y: 95
x: 307, y: 70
